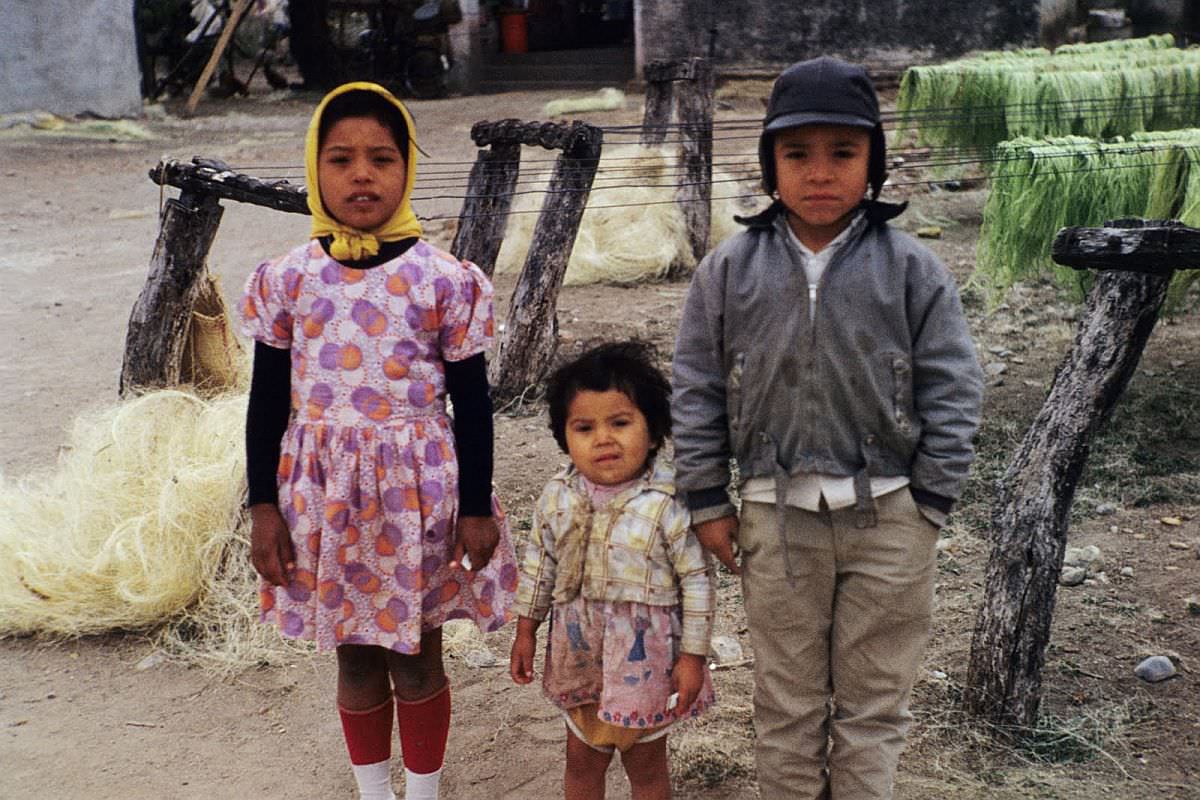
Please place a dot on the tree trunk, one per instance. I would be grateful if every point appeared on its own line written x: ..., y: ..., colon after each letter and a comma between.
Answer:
x: 530, y: 339
x: 158, y: 324
x: 1033, y: 501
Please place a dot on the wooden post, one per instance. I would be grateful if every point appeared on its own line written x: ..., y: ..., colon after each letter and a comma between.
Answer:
x: 695, y: 154
x: 691, y: 105
x: 1032, y: 507
x: 530, y: 338
x: 158, y: 324
x: 490, y: 191
x: 235, y: 18
x: 660, y: 100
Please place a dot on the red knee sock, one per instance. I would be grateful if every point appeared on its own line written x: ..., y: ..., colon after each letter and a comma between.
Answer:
x: 368, y: 733
x: 424, y: 727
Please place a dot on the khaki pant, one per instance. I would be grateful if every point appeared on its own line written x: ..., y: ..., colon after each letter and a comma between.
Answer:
x: 836, y: 647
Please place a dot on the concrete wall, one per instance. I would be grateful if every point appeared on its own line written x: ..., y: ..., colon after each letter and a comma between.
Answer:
x: 69, y: 57
x: 769, y: 33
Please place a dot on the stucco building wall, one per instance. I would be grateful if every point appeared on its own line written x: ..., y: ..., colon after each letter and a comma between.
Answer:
x: 769, y: 33
x: 69, y: 57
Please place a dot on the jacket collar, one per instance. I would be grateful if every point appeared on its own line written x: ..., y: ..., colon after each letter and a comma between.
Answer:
x: 877, y: 213
x: 659, y: 478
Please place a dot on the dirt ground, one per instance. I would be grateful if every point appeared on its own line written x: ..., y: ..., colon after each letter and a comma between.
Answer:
x: 78, y: 718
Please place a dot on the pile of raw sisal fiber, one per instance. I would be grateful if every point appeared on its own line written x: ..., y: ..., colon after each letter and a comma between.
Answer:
x: 632, y: 229
x: 138, y: 527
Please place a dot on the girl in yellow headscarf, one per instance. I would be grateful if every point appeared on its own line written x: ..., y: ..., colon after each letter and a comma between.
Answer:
x: 373, y: 517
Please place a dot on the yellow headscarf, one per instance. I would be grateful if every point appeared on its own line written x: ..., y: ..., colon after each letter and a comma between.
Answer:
x: 352, y: 244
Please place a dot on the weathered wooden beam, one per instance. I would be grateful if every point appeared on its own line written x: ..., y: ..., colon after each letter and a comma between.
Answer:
x: 1031, y: 511
x: 530, y: 338
x: 211, y: 177
x: 159, y: 321
x: 484, y: 213
x: 1154, y: 246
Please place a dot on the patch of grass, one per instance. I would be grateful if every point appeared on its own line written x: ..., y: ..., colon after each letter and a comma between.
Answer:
x: 1149, y: 452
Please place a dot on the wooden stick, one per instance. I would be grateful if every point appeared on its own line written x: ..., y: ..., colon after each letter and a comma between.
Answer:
x: 235, y: 17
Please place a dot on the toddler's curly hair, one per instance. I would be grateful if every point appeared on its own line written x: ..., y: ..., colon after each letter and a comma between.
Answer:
x: 629, y: 367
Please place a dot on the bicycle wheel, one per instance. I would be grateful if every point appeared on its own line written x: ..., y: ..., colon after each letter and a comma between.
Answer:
x: 425, y: 73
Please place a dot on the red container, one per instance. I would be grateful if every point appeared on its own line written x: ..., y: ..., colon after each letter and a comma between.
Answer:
x: 514, y: 32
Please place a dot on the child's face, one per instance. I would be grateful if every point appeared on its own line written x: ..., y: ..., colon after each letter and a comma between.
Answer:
x: 821, y: 174
x: 361, y: 173
x: 607, y: 436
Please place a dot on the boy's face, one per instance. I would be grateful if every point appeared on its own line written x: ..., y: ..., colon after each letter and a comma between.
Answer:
x: 607, y: 436
x: 361, y: 173
x: 821, y: 175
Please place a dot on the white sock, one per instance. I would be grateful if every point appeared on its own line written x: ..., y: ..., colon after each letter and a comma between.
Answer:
x: 374, y: 780
x: 421, y: 787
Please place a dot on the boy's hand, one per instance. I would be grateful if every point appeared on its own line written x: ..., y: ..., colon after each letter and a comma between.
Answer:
x: 271, y: 550
x: 687, y: 678
x: 477, y: 538
x: 717, y: 537
x: 520, y: 660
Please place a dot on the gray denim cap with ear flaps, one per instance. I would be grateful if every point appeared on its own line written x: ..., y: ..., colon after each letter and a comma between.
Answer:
x: 823, y: 91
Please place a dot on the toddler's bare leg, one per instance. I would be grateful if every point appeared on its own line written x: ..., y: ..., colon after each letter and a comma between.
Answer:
x: 586, y: 766
x: 646, y: 766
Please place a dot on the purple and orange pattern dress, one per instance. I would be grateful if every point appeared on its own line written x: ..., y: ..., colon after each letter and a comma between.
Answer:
x: 368, y: 476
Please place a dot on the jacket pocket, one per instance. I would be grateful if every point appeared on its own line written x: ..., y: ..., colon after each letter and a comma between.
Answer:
x: 733, y: 400
x: 903, y: 412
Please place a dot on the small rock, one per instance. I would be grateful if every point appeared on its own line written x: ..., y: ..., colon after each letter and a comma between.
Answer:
x: 929, y: 232
x: 1192, y: 604
x: 1114, y: 530
x: 1155, y: 669
x: 725, y: 650
x: 1126, y: 572
x: 937, y: 674
x: 152, y: 660
x: 1089, y: 557
x: 995, y: 368
x: 1156, y: 615
x: 1072, y: 576
x: 1179, y: 545
x: 1106, y: 509
x: 1173, y: 522
x: 480, y: 658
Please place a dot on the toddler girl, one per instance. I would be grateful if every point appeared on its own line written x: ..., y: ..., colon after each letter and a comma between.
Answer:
x: 364, y: 494
x: 632, y: 593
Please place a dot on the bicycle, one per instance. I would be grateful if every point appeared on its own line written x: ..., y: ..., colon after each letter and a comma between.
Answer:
x: 408, y: 50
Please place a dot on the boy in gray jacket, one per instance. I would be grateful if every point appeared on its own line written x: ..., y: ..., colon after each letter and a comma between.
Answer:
x: 828, y: 355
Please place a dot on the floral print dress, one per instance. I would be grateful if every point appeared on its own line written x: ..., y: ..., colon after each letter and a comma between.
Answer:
x: 368, y: 476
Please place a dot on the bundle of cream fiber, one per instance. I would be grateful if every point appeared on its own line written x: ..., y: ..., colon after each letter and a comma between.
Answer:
x: 139, y: 527
x: 632, y: 229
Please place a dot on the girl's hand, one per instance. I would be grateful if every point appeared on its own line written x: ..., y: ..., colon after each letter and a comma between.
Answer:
x: 520, y: 660
x: 687, y: 678
x: 717, y: 536
x: 271, y: 550
x: 477, y: 537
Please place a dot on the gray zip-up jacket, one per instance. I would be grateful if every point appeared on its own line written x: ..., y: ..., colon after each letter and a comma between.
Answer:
x: 882, y: 380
